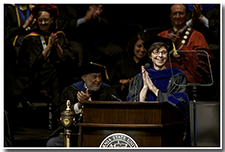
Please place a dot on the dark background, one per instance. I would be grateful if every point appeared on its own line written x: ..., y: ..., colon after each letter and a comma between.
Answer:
x: 147, y: 15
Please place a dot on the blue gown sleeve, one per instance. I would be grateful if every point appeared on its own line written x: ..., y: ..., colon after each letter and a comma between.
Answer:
x: 176, y: 92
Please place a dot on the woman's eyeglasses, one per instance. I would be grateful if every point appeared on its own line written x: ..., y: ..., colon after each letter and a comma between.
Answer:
x: 156, y: 52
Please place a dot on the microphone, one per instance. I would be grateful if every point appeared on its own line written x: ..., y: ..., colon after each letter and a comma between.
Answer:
x: 116, y: 98
x: 147, y: 66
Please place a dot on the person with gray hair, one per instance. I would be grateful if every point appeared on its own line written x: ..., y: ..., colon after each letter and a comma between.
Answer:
x: 91, y: 88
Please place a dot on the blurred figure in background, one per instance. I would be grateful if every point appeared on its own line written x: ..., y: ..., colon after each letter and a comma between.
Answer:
x: 92, y: 32
x: 87, y: 27
x: 126, y: 69
x: 205, y: 18
x: 18, y: 22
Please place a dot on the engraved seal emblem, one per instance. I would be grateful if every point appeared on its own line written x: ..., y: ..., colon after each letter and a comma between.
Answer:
x: 118, y: 140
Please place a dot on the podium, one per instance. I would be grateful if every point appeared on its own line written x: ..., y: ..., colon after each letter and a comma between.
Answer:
x: 149, y: 124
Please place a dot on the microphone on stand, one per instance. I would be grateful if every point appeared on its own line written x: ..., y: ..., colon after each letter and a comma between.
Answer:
x: 116, y: 98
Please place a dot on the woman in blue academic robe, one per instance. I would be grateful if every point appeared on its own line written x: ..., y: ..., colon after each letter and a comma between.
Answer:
x: 160, y: 83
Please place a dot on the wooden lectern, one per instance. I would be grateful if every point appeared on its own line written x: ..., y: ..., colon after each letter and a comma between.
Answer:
x: 150, y: 124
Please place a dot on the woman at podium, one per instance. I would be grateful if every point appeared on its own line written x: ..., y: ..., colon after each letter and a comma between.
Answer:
x: 159, y: 83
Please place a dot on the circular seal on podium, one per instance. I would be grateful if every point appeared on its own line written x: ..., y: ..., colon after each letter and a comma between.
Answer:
x: 118, y: 140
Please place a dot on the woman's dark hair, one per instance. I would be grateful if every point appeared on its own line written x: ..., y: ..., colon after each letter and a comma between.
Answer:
x: 130, y: 46
x: 52, y: 26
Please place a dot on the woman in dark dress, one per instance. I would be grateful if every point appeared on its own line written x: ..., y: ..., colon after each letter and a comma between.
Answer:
x: 46, y: 61
x: 126, y: 69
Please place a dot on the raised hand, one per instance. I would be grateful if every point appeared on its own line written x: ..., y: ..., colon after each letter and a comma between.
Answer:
x: 83, y: 96
x: 175, y: 38
x: 28, y: 21
x: 98, y: 12
x: 197, y: 12
x: 53, y: 39
x: 148, y: 82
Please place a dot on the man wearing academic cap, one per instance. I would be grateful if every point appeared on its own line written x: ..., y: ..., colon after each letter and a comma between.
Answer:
x: 91, y: 88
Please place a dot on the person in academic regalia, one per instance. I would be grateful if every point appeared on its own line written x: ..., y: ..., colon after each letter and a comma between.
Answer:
x: 160, y: 83
x: 91, y: 88
x: 195, y: 65
x: 126, y: 69
x: 46, y: 61
x: 18, y: 22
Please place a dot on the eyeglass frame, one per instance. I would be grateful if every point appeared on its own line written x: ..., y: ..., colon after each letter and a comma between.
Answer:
x: 162, y: 52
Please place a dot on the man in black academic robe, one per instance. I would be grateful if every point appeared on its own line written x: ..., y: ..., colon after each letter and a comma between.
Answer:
x: 91, y: 88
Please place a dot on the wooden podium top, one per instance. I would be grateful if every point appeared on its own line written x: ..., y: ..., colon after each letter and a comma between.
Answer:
x: 144, y: 114
x: 123, y: 102
x: 146, y: 103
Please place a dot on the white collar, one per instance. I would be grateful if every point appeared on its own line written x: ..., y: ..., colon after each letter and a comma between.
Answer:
x: 181, y: 30
x: 85, y: 86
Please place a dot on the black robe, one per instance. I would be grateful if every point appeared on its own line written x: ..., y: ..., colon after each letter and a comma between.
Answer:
x: 51, y: 74
x: 70, y: 93
x: 13, y: 23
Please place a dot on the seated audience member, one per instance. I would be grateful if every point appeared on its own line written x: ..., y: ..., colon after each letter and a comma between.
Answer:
x: 188, y: 39
x: 92, y: 88
x: 126, y: 69
x: 159, y: 83
x: 45, y: 58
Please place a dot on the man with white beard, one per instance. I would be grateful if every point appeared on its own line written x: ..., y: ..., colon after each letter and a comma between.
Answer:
x: 90, y: 89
